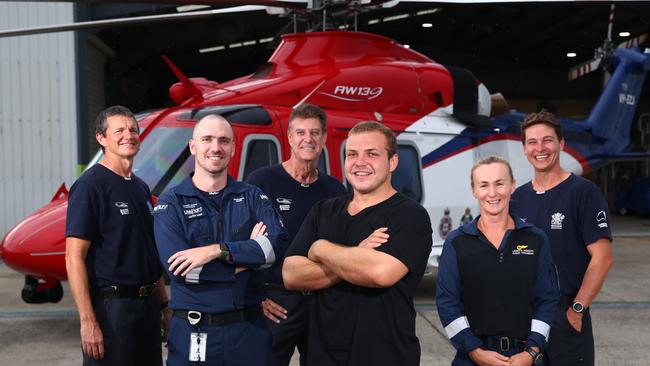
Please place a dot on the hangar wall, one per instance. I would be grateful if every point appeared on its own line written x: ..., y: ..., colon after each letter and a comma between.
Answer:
x: 38, y: 109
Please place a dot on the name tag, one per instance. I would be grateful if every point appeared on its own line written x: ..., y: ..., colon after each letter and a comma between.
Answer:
x: 198, y: 342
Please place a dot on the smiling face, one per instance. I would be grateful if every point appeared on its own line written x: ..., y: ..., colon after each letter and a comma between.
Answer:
x: 492, y: 187
x: 213, y: 145
x: 367, y: 165
x: 306, y: 138
x: 542, y: 147
x: 122, y: 138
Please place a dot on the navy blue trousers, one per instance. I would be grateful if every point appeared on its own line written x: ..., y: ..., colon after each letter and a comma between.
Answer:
x: 291, y: 332
x: 567, y: 346
x: 245, y: 343
x: 131, y: 330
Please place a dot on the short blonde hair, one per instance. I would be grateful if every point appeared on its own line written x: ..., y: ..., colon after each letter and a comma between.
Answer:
x: 492, y: 159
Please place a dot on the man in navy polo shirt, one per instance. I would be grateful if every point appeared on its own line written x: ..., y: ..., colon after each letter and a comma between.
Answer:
x: 294, y: 187
x: 574, y: 214
x: 214, y: 234
x: 111, y: 258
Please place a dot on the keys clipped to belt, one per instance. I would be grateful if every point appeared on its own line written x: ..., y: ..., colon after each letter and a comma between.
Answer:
x: 198, y: 340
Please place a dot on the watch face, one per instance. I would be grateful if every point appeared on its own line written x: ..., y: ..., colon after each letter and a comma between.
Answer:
x: 538, y: 359
x: 578, y: 307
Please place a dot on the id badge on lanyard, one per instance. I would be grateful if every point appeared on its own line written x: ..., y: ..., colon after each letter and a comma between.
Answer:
x: 198, y: 343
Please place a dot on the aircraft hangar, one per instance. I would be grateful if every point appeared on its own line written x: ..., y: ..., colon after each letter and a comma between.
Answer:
x: 52, y: 85
x: 518, y: 49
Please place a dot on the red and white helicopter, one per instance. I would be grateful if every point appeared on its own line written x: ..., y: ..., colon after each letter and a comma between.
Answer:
x: 444, y: 118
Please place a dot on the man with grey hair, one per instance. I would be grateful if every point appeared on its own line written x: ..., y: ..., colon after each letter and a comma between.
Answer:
x: 294, y: 187
x: 214, y: 234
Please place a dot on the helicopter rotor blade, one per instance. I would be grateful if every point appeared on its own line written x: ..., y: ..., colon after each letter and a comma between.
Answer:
x: 127, y: 21
x: 584, y: 68
x: 634, y: 42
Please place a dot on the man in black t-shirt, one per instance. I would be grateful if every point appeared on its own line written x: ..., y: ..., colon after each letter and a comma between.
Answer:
x: 111, y: 258
x: 294, y: 187
x: 366, y: 255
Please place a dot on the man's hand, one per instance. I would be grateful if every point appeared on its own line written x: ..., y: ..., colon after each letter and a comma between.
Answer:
x: 258, y: 230
x: 92, y: 339
x: 489, y: 358
x: 575, y: 319
x: 375, y: 239
x: 273, y: 310
x: 166, y: 315
x: 521, y: 359
x: 186, y: 260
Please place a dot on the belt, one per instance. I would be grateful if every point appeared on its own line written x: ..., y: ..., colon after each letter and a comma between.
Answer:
x: 216, y: 319
x: 504, y: 344
x: 273, y: 287
x: 117, y: 291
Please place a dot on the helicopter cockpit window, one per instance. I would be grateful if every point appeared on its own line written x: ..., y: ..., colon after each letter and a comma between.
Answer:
x: 259, y: 151
x: 323, y: 162
x: 164, y: 158
x: 407, y: 178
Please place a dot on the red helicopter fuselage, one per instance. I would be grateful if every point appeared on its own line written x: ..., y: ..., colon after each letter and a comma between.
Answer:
x: 353, y: 76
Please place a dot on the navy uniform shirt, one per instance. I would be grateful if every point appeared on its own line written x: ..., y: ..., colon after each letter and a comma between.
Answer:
x: 484, y: 291
x: 186, y: 217
x: 573, y: 214
x: 293, y: 200
x: 114, y: 214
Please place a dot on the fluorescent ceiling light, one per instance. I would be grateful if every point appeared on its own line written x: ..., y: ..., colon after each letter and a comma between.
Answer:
x: 212, y: 49
x: 234, y: 45
x: 266, y: 40
x: 427, y: 25
x: 428, y: 11
x: 249, y: 43
x: 624, y: 34
x: 396, y: 17
x: 184, y: 8
x: 571, y: 54
x: 373, y: 21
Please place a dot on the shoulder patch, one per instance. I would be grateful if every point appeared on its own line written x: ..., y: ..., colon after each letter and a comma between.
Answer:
x: 161, y: 207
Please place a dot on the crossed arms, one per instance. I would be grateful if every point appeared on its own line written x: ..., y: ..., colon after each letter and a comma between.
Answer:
x: 328, y: 263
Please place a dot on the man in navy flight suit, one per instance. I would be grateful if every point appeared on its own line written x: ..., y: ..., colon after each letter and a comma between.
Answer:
x: 214, y: 234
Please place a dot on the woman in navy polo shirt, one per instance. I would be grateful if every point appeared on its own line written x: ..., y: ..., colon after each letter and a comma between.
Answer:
x: 497, y: 290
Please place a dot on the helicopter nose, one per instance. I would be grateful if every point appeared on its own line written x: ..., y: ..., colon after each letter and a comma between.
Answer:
x: 36, y: 245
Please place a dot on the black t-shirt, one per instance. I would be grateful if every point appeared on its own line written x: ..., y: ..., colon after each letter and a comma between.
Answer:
x: 114, y: 213
x: 293, y: 200
x: 354, y: 325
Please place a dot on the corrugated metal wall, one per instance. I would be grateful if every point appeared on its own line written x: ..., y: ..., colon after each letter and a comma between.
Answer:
x: 38, y: 133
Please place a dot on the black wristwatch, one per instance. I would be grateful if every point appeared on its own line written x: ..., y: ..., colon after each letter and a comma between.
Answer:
x: 537, y: 356
x: 578, y: 307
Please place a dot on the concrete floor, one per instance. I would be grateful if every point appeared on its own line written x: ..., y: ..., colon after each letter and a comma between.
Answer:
x: 47, y: 334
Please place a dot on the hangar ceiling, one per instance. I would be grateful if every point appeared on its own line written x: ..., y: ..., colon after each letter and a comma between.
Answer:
x: 518, y: 49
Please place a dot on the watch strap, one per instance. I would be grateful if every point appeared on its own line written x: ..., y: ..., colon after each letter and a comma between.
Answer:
x: 224, y: 255
x: 537, y: 356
